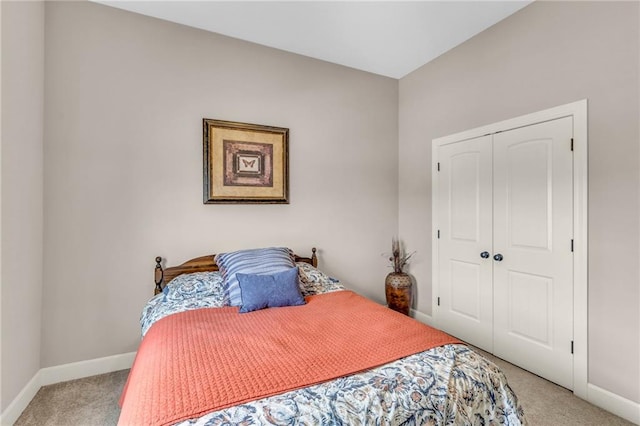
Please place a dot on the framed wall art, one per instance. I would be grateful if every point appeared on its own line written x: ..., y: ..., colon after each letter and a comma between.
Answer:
x: 245, y: 163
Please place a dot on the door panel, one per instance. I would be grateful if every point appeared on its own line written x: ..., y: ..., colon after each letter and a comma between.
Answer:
x: 533, y: 228
x: 464, y: 190
x: 528, y: 308
x: 529, y: 191
x: 465, y: 289
x: 465, y: 223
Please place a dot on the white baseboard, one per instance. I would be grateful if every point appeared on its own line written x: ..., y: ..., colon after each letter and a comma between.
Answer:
x: 20, y: 402
x: 423, y: 318
x: 63, y: 373
x: 91, y: 367
x: 613, y: 403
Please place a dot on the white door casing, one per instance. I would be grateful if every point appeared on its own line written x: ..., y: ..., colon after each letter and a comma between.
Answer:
x: 577, y: 113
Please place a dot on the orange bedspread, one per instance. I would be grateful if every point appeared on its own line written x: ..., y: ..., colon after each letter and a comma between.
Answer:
x: 199, y: 361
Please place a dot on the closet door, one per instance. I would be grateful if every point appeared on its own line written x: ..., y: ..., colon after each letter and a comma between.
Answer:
x: 465, y: 226
x: 532, y: 256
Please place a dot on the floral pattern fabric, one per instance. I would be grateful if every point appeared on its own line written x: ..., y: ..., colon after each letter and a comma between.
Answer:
x: 313, y: 281
x: 448, y: 385
x: 185, y: 292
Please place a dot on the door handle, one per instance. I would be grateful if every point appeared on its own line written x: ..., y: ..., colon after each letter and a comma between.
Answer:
x: 484, y: 255
x: 498, y: 257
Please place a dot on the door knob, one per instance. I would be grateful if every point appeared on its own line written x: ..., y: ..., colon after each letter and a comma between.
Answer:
x: 484, y: 255
x: 498, y: 257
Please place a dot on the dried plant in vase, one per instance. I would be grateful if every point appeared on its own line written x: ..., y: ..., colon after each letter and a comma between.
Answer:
x: 398, y: 284
x: 398, y: 258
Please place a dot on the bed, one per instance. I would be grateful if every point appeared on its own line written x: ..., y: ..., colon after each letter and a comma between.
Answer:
x: 334, y: 358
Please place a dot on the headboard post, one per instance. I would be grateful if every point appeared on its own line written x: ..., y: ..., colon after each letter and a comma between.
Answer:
x: 158, y: 275
x: 314, y: 258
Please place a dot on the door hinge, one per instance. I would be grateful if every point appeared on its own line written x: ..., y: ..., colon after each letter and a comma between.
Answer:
x: 438, y: 166
x: 572, y: 346
x: 439, y: 304
x: 438, y: 234
x: 571, y: 144
x: 572, y: 246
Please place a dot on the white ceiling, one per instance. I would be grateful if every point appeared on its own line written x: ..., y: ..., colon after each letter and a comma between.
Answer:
x: 390, y: 38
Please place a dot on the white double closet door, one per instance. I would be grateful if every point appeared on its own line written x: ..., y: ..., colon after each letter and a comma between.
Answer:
x: 505, y: 220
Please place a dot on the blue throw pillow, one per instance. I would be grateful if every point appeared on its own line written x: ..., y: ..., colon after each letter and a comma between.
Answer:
x: 254, y: 261
x: 269, y: 291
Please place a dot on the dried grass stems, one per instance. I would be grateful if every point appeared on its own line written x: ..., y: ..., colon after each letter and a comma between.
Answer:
x: 399, y: 257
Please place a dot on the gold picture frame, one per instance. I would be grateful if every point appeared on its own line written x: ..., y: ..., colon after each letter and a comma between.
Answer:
x: 245, y: 163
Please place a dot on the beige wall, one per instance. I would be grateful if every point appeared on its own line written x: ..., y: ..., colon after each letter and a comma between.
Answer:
x: 548, y: 54
x: 125, y: 98
x: 22, y: 157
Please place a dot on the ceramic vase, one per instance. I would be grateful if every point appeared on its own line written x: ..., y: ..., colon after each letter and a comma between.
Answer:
x: 398, y: 289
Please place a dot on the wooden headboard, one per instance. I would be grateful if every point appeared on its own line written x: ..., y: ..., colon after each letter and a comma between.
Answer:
x: 203, y: 264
